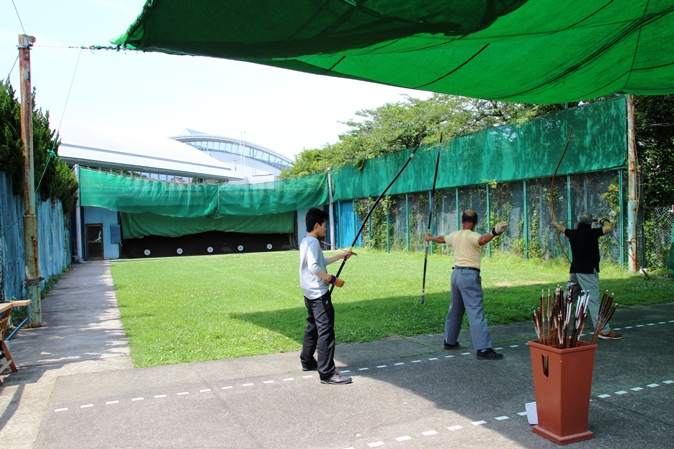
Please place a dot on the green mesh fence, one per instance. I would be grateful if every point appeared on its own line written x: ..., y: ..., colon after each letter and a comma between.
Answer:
x: 170, y: 209
x: 543, y: 51
x: 506, y: 153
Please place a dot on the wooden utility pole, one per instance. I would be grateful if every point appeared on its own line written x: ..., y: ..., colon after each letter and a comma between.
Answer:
x: 632, y: 183
x: 30, y: 242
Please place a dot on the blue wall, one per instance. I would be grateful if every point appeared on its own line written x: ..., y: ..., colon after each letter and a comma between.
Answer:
x: 93, y: 215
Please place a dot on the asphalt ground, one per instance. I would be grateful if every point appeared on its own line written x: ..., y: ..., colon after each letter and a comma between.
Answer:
x: 407, y: 393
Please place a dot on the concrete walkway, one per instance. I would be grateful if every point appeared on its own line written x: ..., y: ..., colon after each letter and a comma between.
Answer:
x: 407, y: 392
x: 81, y: 333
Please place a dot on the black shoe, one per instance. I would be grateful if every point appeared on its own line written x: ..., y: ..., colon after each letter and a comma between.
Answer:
x: 488, y: 354
x: 337, y: 379
x: 454, y: 346
x: 310, y: 366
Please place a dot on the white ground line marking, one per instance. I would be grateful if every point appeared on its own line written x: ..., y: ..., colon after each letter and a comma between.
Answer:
x: 661, y: 322
x: 227, y: 388
x: 453, y: 428
x: 616, y: 329
x: 433, y: 358
x: 137, y: 399
x: 478, y: 423
x: 268, y: 382
x: 363, y: 369
x: 399, y: 363
x: 376, y: 444
x: 522, y: 413
x: 636, y: 389
x: 465, y: 353
x: 289, y: 378
x: 640, y: 325
x: 604, y: 396
x: 86, y: 406
x: 621, y: 392
x: 514, y: 346
x: 157, y: 396
x: 428, y: 433
x: 449, y: 356
x: 501, y: 418
x: 416, y: 361
x: 344, y: 371
x: 183, y: 393
x: 310, y: 376
x: 497, y: 349
x: 652, y: 385
x: 205, y: 390
x: 248, y: 385
x: 668, y: 381
x: 671, y: 321
x: 112, y: 402
x: 61, y: 409
x: 431, y: 335
x: 628, y: 327
x: 651, y: 324
x: 405, y: 438
x: 381, y: 366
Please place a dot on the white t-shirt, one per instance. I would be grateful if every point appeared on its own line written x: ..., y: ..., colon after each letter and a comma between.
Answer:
x: 311, y: 262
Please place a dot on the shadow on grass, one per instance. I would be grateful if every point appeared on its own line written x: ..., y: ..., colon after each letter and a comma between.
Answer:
x: 380, y: 318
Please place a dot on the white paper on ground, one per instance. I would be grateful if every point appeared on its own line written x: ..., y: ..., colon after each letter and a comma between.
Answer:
x: 532, y: 414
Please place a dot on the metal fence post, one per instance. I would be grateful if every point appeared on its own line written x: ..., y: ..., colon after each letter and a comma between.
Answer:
x: 407, y: 219
x: 488, y: 219
x: 525, y: 227
x: 388, y: 234
x: 569, y: 217
x: 458, y: 211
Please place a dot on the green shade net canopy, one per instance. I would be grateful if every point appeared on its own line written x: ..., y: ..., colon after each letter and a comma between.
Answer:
x: 536, y: 51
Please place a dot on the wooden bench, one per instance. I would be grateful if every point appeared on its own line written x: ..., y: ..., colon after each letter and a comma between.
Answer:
x: 5, y: 312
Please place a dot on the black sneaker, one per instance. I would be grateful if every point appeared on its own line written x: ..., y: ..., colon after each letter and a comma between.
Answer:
x: 488, y: 354
x: 454, y: 346
x: 337, y: 379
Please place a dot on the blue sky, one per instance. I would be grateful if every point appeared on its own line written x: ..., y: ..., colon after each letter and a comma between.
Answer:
x: 162, y: 94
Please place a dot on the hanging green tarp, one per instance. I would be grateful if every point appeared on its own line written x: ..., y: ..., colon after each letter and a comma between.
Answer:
x: 536, y: 51
x: 140, y: 225
x: 135, y: 195
x: 505, y: 153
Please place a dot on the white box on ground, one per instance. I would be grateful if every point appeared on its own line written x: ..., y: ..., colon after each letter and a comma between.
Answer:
x: 532, y: 414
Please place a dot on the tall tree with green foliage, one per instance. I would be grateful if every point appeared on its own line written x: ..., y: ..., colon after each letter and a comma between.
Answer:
x: 53, y: 178
x: 398, y: 126
x: 654, y: 121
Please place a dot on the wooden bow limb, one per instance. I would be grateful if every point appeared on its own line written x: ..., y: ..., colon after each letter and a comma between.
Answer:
x: 362, y: 226
x: 552, y: 193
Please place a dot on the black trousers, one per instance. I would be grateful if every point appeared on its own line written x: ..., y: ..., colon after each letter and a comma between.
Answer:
x: 320, y: 334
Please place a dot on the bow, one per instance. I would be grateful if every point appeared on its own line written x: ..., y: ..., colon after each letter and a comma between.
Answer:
x: 552, y: 193
x: 362, y: 226
x: 430, y: 217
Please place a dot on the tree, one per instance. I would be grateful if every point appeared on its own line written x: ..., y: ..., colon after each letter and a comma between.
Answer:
x: 654, y: 122
x: 53, y: 176
x: 398, y: 126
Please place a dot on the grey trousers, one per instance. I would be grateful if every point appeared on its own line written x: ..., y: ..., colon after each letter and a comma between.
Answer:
x: 588, y: 283
x: 467, y: 297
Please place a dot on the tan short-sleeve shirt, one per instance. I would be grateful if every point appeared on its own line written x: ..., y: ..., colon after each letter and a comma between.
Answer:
x: 467, y: 250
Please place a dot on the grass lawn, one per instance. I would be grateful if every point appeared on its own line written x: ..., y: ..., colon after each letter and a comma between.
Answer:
x: 188, y: 309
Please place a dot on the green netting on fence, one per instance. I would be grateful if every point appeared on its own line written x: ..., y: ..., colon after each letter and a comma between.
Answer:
x: 135, y: 195
x: 543, y: 51
x: 506, y: 153
x: 139, y: 225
